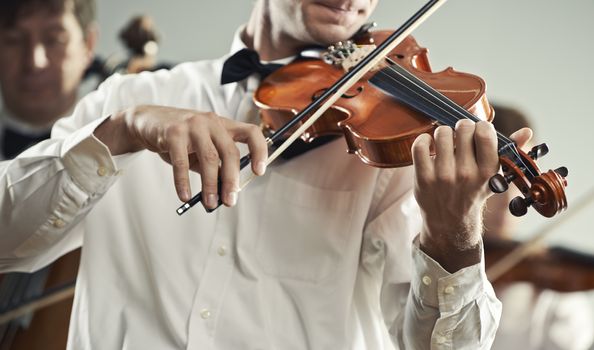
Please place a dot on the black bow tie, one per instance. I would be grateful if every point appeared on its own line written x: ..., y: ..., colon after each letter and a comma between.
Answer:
x: 246, y: 62
x: 14, y: 142
x: 242, y: 64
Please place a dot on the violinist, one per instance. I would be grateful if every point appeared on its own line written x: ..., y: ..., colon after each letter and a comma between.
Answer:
x: 45, y: 48
x: 532, y: 318
x: 319, y: 252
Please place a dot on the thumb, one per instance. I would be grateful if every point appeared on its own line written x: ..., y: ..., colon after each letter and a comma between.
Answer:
x: 522, y: 137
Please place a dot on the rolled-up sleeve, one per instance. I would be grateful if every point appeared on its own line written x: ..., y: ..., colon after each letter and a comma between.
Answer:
x: 47, y: 191
x: 454, y: 311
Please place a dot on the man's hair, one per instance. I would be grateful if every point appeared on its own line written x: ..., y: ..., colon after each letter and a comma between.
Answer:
x: 12, y: 10
x: 509, y: 119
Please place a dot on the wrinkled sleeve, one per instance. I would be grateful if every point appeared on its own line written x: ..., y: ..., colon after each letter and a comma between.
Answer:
x: 423, y: 306
x: 48, y: 189
x: 449, y: 311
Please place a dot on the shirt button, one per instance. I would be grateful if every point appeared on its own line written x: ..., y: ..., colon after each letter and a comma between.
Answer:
x: 59, y: 223
x: 426, y: 280
x: 205, y: 314
x: 449, y: 290
x: 440, y: 339
x: 101, y: 171
x: 222, y: 250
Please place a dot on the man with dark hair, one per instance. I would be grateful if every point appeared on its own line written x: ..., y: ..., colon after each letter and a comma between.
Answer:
x: 45, y: 48
x: 340, y: 256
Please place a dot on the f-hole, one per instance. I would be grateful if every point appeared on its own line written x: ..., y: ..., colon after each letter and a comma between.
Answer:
x: 319, y: 93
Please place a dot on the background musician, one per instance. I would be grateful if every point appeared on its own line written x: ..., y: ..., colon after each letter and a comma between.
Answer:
x: 532, y: 318
x: 45, y: 49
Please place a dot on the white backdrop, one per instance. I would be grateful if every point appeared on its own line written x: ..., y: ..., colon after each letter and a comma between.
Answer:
x: 534, y: 54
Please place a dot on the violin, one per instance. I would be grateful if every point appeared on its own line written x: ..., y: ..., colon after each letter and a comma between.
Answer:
x: 377, y: 128
x: 141, y: 40
x: 300, y: 89
x: 381, y: 114
x: 556, y: 268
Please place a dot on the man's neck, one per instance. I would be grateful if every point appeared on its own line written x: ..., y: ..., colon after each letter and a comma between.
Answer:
x: 270, y: 42
x: 43, y: 118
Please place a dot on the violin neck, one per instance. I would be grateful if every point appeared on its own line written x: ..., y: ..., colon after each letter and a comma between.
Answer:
x: 415, y: 93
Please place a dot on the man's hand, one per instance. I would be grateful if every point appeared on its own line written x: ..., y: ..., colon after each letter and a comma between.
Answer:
x: 452, y: 188
x: 187, y: 139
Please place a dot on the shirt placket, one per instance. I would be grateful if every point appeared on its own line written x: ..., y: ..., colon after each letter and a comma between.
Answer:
x: 211, y: 292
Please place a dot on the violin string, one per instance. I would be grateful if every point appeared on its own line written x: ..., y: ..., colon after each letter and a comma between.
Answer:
x: 455, y: 108
x: 448, y: 107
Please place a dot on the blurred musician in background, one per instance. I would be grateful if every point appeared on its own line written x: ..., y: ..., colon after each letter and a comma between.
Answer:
x: 45, y: 48
x: 532, y: 318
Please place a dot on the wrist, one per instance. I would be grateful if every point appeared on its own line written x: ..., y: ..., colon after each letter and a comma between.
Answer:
x: 453, y: 250
x: 114, y: 133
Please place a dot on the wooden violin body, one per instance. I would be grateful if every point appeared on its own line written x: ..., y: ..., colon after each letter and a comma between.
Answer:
x: 376, y: 127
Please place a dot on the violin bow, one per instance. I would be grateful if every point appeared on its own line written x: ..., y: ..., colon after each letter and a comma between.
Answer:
x: 330, y: 96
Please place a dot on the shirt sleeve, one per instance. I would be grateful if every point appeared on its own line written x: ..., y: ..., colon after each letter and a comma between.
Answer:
x: 48, y: 189
x: 449, y: 311
x: 423, y: 306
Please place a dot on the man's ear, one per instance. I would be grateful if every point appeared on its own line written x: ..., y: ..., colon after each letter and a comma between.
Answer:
x: 91, y: 39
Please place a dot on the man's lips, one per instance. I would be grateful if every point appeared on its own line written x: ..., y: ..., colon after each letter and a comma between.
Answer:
x: 344, y: 8
x: 337, y: 13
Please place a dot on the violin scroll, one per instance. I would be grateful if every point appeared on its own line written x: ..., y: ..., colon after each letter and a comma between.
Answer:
x: 545, y: 192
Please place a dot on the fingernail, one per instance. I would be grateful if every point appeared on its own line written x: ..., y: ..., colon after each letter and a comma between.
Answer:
x: 261, y: 168
x: 185, y: 195
x: 232, y: 198
x: 211, y: 200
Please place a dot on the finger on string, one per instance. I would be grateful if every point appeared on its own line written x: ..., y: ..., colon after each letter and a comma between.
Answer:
x: 421, y: 154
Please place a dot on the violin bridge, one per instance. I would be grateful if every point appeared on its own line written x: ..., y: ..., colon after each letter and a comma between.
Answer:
x: 346, y: 55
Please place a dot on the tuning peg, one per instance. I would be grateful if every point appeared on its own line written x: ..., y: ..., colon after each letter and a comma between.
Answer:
x: 497, y: 183
x: 539, y: 151
x: 562, y: 171
x: 519, y: 206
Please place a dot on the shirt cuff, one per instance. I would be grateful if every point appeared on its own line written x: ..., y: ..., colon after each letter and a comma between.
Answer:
x: 88, y: 161
x: 438, y: 288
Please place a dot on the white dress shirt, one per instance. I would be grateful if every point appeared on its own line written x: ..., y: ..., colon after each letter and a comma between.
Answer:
x: 535, y: 319
x: 317, y: 254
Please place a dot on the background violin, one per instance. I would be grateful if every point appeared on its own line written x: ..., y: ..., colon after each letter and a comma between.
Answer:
x: 556, y: 268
